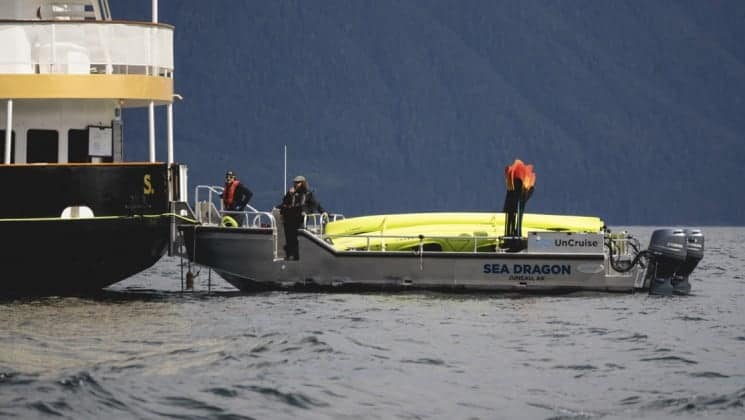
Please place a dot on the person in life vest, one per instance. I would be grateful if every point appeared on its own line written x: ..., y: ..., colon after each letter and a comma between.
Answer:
x: 520, y: 180
x: 235, y: 196
x: 297, y: 202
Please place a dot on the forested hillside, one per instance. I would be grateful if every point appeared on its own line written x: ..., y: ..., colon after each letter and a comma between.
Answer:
x: 630, y: 110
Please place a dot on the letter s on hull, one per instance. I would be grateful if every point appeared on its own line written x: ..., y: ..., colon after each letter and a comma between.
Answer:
x: 148, y: 185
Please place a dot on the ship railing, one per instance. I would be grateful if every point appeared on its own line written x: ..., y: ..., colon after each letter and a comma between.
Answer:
x: 316, y: 222
x: 251, y: 218
x: 416, y: 243
x: 86, y: 47
x: 209, y: 210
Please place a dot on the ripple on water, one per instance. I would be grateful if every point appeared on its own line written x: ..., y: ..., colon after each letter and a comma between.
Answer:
x: 691, y: 318
x: 701, y: 403
x: 261, y: 347
x: 315, y: 344
x: 294, y: 399
x: 10, y: 378
x: 83, y: 382
x: 425, y: 361
x: 370, y: 346
x: 708, y: 375
x: 636, y: 337
x: 632, y: 400
x: 576, y: 367
x: 222, y: 392
x: 561, y: 413
x: 192, y: 405
x: 671, y: 359
x: 46, y: 409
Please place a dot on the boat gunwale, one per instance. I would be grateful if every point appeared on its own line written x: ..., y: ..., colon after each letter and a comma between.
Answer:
x: 402, y: 254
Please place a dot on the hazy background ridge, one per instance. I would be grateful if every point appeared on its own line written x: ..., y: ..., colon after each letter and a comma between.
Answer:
x: 632, y: 111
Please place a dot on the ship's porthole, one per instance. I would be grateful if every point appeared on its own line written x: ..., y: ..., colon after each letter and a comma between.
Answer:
x: 77, y: 212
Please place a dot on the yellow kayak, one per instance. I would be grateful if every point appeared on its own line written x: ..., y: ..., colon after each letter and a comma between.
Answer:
x: 385, y: 222
x: 444, y: 231
x: 448, y: 237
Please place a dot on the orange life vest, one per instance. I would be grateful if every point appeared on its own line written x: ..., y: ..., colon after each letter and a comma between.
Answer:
x: 229, y: 193
x: 521, y: 171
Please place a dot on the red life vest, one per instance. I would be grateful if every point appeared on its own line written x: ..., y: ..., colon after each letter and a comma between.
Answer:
x: 229, y: 193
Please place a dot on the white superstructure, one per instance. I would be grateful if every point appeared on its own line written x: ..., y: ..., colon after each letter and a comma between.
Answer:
x: 67, y: 70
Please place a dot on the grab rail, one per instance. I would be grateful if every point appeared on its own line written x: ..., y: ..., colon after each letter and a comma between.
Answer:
x: 316, y: 222
x: 626, y: 247
x: 251, y: 217
x: 383, y: 243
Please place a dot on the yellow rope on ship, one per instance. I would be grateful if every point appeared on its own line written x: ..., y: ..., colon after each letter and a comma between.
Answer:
x: 136, y: 216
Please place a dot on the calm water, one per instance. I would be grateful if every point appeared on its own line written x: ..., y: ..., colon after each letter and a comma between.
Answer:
x: 147, y: 351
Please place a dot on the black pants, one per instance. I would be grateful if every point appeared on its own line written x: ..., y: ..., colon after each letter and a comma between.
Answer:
x: 291, y: 245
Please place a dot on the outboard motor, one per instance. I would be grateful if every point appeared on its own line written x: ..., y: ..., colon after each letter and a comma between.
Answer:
x: 694, y: 246
x: 667, y: 254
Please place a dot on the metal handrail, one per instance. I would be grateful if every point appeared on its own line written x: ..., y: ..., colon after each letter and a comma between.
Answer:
x: 477, y: 240
x: 256, y: 220
x: 627, y: 244
x: 316, y: 222
x: 214, y: 193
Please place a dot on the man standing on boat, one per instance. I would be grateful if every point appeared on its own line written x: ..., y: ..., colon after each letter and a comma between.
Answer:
x: 235, y: 196
x: 297, y: 202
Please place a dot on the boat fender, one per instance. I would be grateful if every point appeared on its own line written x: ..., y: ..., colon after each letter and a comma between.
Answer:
x: 228, y: 221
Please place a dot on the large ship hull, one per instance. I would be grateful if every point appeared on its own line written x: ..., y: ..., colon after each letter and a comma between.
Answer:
x: 78, y: 256
x: 77, y: 228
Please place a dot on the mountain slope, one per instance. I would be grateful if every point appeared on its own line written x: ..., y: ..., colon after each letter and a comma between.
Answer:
x: 632, y: 111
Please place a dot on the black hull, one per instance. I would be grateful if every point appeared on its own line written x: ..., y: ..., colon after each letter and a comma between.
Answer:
x: 78, y: 256
x: 44, y: 254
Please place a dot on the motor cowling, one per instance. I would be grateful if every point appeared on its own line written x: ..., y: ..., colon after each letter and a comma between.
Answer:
x: 694, y: 251
x: 694, y: 246
x: 667, y: 254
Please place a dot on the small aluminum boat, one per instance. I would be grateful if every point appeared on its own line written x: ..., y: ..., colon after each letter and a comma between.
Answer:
x: 251, y: 257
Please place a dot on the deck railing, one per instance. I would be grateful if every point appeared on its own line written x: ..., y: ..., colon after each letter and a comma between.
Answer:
x: 86, y: 47
x: 623, y: 248
x: 316, y: 222
x: 209, y: 210
x: 416, y: 243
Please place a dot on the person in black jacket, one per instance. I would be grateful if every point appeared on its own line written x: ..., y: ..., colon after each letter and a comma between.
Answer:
x: 235, y: 196
x: 297, y: 202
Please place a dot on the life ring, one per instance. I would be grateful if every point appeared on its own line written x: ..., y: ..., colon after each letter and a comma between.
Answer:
x: 228, y: 221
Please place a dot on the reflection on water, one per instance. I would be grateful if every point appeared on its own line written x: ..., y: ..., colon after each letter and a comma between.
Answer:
x: 146, y: 350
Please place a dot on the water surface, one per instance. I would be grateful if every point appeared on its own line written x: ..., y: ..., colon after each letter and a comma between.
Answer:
x: 145, y: 350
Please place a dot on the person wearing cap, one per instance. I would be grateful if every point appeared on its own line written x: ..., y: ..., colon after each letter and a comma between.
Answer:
x: 235, y: 196
x: 297, y: 202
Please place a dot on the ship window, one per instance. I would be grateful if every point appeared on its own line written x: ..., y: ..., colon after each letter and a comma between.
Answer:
x: 12, y: 146
x: 77, y: 146
x: 78, y: 142
x: 42, y: 146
